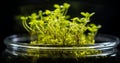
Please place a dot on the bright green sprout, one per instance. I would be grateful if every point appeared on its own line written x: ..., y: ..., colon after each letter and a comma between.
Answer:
x: 55, y: 28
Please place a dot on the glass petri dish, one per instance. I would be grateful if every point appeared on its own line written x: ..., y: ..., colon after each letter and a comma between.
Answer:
x: 19, y: 50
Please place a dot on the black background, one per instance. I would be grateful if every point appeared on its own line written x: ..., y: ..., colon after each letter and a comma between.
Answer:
x: 106, y: 14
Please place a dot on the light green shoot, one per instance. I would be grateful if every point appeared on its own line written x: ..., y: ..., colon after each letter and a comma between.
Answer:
x: 55, y: 28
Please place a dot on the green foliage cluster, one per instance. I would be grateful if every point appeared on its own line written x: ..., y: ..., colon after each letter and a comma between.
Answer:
x: 56, y: 28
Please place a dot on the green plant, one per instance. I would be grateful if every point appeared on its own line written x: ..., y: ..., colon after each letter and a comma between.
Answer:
x: 56, y: 28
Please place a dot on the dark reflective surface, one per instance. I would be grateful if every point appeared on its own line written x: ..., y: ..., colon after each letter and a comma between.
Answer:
x: 8, y: 58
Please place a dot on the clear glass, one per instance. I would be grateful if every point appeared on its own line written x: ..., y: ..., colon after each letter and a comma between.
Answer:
x: 19, y: 50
